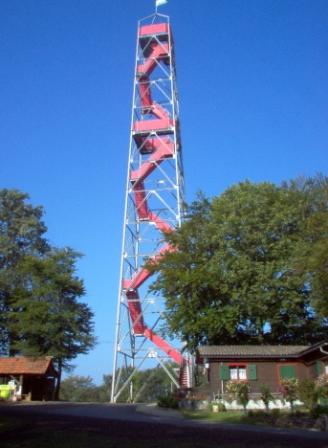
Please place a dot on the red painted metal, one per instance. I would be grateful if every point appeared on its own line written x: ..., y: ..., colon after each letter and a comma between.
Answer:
x: 141, y: 202
x: 159, y: 111
x: 156, y: 29
x: 158, y: 52
x: 145, y: 93
x: 165, y: 346
x: 147, y: 145
x: 163, y: 226
x: 135, y: 312
x: 143, y: 274
x: 164, y: 150
x: 147, y: 126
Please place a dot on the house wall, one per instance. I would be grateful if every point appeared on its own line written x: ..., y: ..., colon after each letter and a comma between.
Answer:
x: 39, y: 387
x: 267, y: 372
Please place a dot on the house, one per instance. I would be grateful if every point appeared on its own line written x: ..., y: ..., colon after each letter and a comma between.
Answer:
x: 35, y: 377
x: 260, y: 364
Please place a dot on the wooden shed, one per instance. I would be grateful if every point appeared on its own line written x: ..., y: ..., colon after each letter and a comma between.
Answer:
x: 265, y: 364
x: 35, y: 375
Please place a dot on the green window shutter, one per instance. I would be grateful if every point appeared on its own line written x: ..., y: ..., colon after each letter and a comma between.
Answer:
x: 252, y: 373
x: 287, y: 372
x: 224, y: 372
x: 318, y: 368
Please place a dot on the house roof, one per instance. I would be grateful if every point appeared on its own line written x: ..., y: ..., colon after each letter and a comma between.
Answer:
x: 26, y: 365
x: 263, y: 351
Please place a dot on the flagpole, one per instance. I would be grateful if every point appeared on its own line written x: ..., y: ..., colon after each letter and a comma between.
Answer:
x: 159, y: 3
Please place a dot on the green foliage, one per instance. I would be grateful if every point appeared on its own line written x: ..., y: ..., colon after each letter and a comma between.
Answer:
x: 21, y: 234
x: 148, y: 386
x: 276, y: 413
x: 322, y: 385
x: 79, y: 388
x: 266, y: 395
x: 243, y: 394
x: 221, y: 407
x: 168, y: 400
x: 248, y: 267
x: 239, y: 391
x: 47, y: 318
x: 313, y: 253
x: 40, y: 312
x: 308, y: 393
x: 289, y: 389
x: 319, y: 410
x: 231, y: 390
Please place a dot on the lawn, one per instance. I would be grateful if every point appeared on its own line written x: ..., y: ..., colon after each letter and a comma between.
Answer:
x: 275, y: 418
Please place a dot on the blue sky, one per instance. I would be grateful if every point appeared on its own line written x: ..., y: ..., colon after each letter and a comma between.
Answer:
x: 252, y: 79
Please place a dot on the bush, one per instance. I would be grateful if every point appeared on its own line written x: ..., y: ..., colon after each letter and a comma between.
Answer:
x: 238, y: 390
x: 168, y: 401
x: 308, y: 393
x: 275, y: 413
x: 266, y: 395
x: 322, y: 384
x: 232, y: 390
x: 220, y: 405
x: 289, y: 388
x: 319, y: 410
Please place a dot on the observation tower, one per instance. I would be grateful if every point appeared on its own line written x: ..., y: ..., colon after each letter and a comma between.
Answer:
x: 153, y: 207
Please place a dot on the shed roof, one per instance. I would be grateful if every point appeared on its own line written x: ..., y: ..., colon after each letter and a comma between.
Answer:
x: 26, y: 365
x: 251, y: 350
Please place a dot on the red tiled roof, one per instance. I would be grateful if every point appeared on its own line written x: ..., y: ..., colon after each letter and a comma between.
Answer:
x: 25, y: 365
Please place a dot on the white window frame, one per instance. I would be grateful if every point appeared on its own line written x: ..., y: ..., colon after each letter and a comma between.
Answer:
x: 238, y: 373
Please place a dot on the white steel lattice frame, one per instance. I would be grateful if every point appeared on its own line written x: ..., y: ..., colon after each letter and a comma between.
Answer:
x: 153, y: 205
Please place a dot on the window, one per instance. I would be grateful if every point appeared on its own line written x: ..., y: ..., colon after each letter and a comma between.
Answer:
x: 238, y: 372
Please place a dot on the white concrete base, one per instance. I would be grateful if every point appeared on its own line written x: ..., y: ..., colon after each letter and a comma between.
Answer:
x: 257, y: 404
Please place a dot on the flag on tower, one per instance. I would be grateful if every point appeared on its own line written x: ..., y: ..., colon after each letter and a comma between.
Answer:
x: 160, y: 3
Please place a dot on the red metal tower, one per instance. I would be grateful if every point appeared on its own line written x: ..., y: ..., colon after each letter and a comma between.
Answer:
x: 153, y: 206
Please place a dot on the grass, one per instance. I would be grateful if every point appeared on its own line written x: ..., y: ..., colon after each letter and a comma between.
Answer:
x: 222, y: 417
x: 276, y: 418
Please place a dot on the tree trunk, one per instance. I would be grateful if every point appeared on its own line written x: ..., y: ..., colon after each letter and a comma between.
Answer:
x: 58, y: 382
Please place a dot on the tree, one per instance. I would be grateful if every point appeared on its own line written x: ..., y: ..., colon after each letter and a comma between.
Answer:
x: 21, y: 234
x: 239, y: 274
x: 47, y: 317
x: 79, y: 388
x: 313, y: 259
x: 149, y: 384
x: 40, y: 291
x: 153, y: 383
